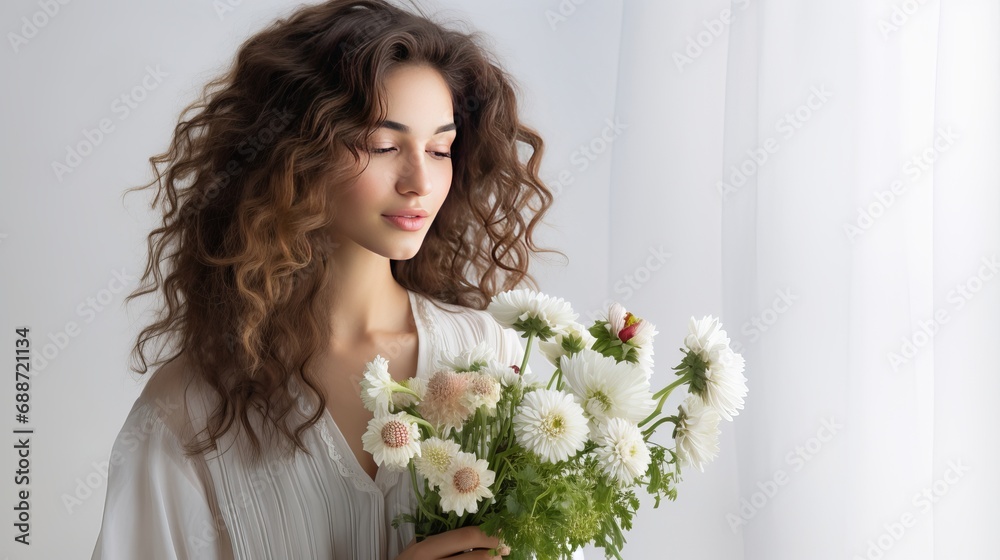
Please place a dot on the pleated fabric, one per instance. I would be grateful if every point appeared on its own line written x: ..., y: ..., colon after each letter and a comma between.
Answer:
x: 161, y: 504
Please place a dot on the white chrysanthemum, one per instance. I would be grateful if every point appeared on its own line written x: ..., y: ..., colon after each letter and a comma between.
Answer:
x: 483, y: 390
x: 577, y: 334
x: 376, y: 386
x: 516, y: 306
x: 697, y: 433
x: 505, y: 375
x: 706, y: 337
x: 435, y: 459
x: 392, y: 439
x: 551, y: 424
x: 471, y: 359
x: 622, y: 454
x: 467, y: 481
x: 608, y: 388
x: 416, y: 384
x: 722, y: 384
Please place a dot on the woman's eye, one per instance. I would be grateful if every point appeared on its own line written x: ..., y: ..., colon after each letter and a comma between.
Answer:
x: 436, y: 154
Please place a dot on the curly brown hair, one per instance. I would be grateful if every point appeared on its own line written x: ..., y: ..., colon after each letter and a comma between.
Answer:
x: 241, y: 255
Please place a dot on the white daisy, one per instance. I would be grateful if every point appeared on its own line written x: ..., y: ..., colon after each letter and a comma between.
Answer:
x: 377, y: 386
x: 697, y: 433
x: 392, y: 439
x: 574, y: 335
x: 529, y: 311
x: 483, y: 390
x: 471, y: 359
x: 717, y: 373
x: 467, y: 481
x: 622, y: 454
x: 550, y: 424
x: 608, y: 388
x: 435, y: 459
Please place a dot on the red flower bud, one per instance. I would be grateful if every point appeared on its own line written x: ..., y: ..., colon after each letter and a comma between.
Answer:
x: 631, y: 326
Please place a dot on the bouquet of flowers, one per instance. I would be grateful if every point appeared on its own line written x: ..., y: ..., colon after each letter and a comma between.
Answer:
x: 551, y: 467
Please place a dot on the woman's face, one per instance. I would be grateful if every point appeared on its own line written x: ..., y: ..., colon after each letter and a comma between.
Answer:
x: 389, y: 207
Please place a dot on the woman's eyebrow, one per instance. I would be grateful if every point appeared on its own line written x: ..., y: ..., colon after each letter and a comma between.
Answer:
x: 393, y: 125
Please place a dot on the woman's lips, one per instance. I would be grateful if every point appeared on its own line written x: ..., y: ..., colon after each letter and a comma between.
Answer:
x: 406, y: 223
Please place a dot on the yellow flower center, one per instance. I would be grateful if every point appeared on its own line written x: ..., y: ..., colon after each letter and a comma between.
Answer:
x: 631, y: 450
x: 554, y: 425
x: 438, y: 458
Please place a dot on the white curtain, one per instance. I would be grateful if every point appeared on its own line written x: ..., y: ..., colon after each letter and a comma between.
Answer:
x: 825, y: 175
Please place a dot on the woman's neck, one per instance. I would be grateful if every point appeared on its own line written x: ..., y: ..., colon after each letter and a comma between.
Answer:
x: 364, y: 296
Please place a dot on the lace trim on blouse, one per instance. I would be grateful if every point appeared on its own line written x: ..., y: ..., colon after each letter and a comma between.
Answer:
x: 365, y: 483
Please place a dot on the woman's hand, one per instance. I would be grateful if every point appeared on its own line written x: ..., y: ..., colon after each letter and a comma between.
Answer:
x: 467, y: 543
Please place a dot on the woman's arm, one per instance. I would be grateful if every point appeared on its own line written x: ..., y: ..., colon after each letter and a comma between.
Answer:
x: 467, y: 543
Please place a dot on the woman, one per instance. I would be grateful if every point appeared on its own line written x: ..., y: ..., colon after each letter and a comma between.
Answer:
x: 352, y: 187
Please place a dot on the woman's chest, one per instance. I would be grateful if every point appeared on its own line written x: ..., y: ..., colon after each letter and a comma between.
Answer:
x: 342, y: 371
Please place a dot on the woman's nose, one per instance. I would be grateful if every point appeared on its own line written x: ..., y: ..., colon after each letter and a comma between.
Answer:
x: 415, y: 177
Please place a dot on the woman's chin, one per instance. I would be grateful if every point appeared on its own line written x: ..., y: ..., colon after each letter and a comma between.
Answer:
x: 403, y: 253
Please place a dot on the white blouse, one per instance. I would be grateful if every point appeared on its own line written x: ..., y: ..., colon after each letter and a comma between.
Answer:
x: 163, y: 505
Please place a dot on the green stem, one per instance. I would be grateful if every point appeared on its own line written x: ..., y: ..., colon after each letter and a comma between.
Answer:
x: 420, y: 499
x: 497, y: 481
x: 669, y: 388
x: 481, y: 418
x: 555, y: 374
x: 540, y: 496
x: 662, y: 396
x: 426, y: 424
x: 527, y: 352
x: 397, y: 388
x: 649, y: 431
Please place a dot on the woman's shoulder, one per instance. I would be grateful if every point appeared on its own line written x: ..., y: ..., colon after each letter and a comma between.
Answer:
x: 457, y: 317
x: 173, y: 397
x: 459, y: 327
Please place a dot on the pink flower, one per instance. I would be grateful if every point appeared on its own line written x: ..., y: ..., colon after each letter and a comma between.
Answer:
x: 444, y: 404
